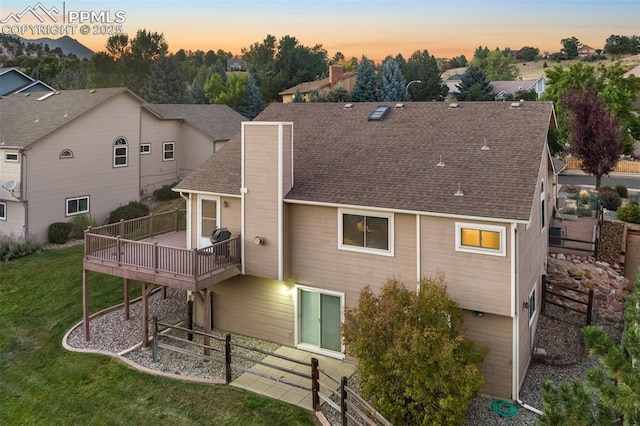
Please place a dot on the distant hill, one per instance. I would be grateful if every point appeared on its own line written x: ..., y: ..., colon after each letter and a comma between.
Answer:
x: 67, y: 44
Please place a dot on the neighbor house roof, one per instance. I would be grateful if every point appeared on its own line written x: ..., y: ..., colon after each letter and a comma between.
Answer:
x: 317, y: 84
x: 27, y: 84
x: 25, y: 118
x: 511, y: 86
x: 340, y: 157
x: 219, y: 122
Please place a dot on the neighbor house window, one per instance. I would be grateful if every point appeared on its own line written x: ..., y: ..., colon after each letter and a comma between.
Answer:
x: 365, y: 231
x: 78, y: 205
x: 120, y: 151
x: 168, y: 151
x: 145, y: 148
x: 11, y: 157
x: 66, y: 153
x: 3, y: 210
x: 475, y: 238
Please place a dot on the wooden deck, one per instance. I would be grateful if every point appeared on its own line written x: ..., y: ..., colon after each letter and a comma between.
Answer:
x: 154, y: 251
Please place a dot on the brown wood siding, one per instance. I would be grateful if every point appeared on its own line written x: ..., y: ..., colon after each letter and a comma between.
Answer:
x: 153, y: 171
x: 317, y: 261
x: 254, y: 307
x: 494, y: 332
x: 476, y: 281
x: 261, y: 200
x: 194, y: 148
x: 90, y: 171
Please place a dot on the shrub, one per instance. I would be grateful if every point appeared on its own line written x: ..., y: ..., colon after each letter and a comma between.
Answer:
x: 59, y: 232
x: 12, y: 247
x: 79, y: 223
x: 622, y: 191
x: 129, y: 211
x: 164, y: 193
x: 610, y: 199
x: 629, y: 213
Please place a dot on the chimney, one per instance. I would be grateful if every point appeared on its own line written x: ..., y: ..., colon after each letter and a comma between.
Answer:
x: 335, y: 75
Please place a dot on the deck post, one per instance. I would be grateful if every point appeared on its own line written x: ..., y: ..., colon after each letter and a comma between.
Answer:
x: 343, y: 400
x: 151, y: 225
x: 121, y: 233
x: 145, y: 316
x: 126, y: 298
x: 85, y: 304
x: 155, y: 339
x: 227, y: 358
x: 194, y: 271
x: 315, y: 385
x: 190, y: 316
x: 176, y: 221
x: 206, y: 320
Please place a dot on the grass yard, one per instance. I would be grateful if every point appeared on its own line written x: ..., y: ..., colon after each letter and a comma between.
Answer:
x: 41, y: 383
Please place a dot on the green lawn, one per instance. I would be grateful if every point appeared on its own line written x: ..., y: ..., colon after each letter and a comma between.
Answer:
x: 41, y: 383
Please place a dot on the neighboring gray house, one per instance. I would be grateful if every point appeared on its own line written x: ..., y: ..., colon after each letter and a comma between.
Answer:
x: 502, y: 88
x: 12, y: 80
x: 72, y: 152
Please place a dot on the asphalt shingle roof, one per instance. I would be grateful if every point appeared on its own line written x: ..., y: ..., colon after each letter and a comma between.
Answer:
x: 342, y: 158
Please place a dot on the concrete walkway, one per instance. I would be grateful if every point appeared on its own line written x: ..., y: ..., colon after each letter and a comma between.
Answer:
x: 261, y: 385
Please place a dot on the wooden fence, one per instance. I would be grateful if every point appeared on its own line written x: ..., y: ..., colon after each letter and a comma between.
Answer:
x: 569, y: 298
x: 349, y: 405
x: 623, y: 166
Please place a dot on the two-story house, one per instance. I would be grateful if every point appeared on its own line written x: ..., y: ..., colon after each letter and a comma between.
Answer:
x: 65, y: 153
x: 323, y: 199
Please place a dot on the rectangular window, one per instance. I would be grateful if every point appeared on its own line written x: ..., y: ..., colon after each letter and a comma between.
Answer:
x: 168, y: 151
x: 145, y: 148
x: 365, y: 231
x: 3, y: 210
x: 475, y: 238
x: 532, y: 305
x: 11, y: 157
x: 77, y: 205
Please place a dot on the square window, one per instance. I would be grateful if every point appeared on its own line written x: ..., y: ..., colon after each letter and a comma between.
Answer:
x: 145, y: 148
x: 366, y: 232
x: 168, y: 151
x: 3, y: 210
x: 476, y: 238
x: 11, y: 157
x: 79, y: 205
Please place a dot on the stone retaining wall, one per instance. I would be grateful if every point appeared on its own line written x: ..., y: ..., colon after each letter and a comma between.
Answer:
x: 610, y: 242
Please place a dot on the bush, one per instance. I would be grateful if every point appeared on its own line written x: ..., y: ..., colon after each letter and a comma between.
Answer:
x: 629, y: 213
x: 129, y: 211
x: 610, y: 199
x: 79, y: 223
x: 622, y: 191
x: 12, y: 247
x: 59, y: 232
x: 164, y: 193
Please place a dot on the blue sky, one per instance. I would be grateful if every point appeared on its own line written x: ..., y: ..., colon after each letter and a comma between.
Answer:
x: 373, y: 28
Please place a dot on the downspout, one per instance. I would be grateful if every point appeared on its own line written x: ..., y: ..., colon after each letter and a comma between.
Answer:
x: 418, y: 254
x: 243, y: 191
x: 23, y: 192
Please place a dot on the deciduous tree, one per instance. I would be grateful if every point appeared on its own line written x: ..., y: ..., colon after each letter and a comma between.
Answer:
x: 497, y: 65
x: 414, y: 363
x: 570, y: 47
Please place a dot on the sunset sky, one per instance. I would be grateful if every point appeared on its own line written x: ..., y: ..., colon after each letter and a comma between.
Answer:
x: 355, y: 28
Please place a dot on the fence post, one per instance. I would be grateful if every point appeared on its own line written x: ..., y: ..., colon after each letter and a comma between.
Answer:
x: 190, y: 317
x: 121, y: 227
x: 151, y: 225
x: 315, y: 385
x: 155, y: 338
x: 86, y: 242
x: 227, y: 358
x: 590, y: 307
x: 343, y: 400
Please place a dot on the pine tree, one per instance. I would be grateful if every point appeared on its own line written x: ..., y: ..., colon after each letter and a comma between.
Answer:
x: 196, y: 93
x: 253, y: 103
x: 364, y: 89
x: 394, y: 86
x: 424, y: 67
x: 474, y: 86
x: 165, y: 85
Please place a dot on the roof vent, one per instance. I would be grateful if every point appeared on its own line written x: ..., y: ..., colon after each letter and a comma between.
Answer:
x: 378, y: 113
x: 27, y: 94
x: 92, y: 91
x: 459, y: 192
x: 348, y: 106
x: 399, y: 106
x: 515, y: 105
x: 485, y: 147
x: 453, y: 105
x: 440, y: 163
x: 45, y: 96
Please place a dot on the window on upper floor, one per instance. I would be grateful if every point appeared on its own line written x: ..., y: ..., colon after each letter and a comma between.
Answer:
x: 120, y: 152
x: 369, y: 232
x: 476, y: 238
x: 3, y: 210
x: 11, y: 157
x: 77, y: 205
x: 145, y: 148
x: 168, y: 151
x: 66, y: 153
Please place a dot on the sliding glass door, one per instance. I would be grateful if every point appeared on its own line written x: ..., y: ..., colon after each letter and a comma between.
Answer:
x: 319, y: 320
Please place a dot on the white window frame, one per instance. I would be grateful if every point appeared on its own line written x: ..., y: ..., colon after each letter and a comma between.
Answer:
x: 145, y: 148
x: 66, y: 154
x: 481, y: 250
x: 390, y: 234
x: 165, y: 151
x: 543, y: 208
x: 116, y: 146
x: 532, y: 305
x: 3, y: 210
x: 77, y: 199
x: 12, y: 160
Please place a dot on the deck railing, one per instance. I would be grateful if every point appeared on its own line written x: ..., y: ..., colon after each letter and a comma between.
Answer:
x: 119, y: 244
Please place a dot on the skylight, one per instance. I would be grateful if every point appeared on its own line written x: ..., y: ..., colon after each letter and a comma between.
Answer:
x: 378, y: 113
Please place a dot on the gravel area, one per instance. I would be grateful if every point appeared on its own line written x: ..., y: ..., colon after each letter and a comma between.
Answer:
x: 564, y: 357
